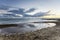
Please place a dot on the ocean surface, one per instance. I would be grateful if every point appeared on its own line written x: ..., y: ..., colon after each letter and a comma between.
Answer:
x: 22, y: 20
x: 24, y: 25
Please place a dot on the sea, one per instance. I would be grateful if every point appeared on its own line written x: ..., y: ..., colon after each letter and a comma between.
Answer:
x: 24, y: 25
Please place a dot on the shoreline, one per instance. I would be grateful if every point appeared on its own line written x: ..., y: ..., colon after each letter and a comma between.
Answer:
x: 50, y: 33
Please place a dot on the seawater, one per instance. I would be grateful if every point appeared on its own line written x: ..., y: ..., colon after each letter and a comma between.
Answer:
x: 25, y: 26
x: 21, y: 20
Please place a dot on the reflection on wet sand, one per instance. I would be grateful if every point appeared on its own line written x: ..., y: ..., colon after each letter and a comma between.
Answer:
x: 25, y: 27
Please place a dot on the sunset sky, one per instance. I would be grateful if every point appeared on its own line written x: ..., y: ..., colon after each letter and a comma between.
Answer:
x: 42, y: 5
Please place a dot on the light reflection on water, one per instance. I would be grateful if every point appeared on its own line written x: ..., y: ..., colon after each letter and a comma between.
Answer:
x: 26, y: 27
x: 22, y: 20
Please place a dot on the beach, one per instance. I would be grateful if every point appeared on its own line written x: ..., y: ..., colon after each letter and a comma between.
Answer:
x: 48, y: 33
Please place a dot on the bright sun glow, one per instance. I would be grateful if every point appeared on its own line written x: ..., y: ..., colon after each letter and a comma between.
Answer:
x: 54, y: 14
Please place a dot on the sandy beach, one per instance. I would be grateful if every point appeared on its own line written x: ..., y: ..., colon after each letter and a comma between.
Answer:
x: 49, y: 33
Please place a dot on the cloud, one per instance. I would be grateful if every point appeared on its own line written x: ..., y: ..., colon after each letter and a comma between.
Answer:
x: 30, y: 10
x: 22, y: 11
x: 4, y: 7
x: 17, y: 12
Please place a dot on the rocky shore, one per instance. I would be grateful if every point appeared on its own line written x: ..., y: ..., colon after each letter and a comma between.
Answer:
x: 50, y: 33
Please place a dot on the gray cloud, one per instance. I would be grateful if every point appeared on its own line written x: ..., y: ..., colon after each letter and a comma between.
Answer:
x: 31, y: 10
x: 21, y: 11
x: 4, y: 7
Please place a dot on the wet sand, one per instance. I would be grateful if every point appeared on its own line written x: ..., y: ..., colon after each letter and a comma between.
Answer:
x: 7, y: 25
x: 50, y: 33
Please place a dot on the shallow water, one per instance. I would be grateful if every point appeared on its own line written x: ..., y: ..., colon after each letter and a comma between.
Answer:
x: 27, y: 27
x: 21, y: 20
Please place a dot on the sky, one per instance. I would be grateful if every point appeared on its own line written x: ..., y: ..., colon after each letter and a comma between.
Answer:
x: 32, y: 3
x: 42, y: 5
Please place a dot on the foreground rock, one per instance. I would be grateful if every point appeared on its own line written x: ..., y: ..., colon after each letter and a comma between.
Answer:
x: 52, y: 33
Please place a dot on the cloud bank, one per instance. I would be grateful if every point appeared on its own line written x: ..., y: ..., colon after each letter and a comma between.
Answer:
x: 8, y: 11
